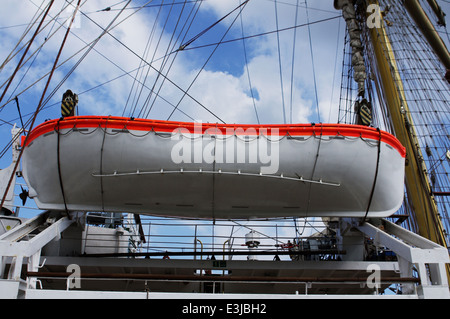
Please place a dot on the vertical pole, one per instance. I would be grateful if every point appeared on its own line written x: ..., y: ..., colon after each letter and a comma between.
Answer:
x: 16, y: 268
x: 33, y: 266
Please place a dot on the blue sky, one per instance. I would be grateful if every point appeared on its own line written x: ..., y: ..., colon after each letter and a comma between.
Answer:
x: 222, y: 87
x: 107, y: 79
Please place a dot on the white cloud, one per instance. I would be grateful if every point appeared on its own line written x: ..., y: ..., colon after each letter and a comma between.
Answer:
x: 259, y: 17
x: 224, y: 91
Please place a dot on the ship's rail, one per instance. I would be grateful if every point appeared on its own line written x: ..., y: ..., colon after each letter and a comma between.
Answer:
x: 157, y: 237
x: 101, y: 253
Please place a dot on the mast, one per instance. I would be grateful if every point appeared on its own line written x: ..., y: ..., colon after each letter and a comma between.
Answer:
x: 416, y: 181
x: 418, y: 188
x: 416, y: 176
x: 428, y: 30
x: 437, y: 11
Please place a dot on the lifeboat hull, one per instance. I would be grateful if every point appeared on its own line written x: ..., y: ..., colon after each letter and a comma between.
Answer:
x: 215, y: 171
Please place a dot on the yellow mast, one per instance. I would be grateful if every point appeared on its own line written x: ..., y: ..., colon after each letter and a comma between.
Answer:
x: 416, y: 179
x: 437, y: 11
x: 424, y: 24
x: 417, y: 184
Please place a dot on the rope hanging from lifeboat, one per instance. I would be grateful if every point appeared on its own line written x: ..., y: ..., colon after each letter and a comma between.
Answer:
x: 375, y: 178
x: 101, y: 162
x: 58, y: 153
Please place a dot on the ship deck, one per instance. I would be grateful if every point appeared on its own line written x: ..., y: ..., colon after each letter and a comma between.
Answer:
x: 77, y: 256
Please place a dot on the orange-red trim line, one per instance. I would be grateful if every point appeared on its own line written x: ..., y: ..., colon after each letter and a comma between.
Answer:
x: 212, y: 128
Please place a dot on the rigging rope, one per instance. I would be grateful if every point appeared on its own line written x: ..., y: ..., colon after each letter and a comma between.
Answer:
x: 293, y: 63
x: 264, y: 33
x: 312, y: 61
x: 40, y: 102
x: 427, y: 94
x: 194, y: 10
x: 58, y: 159
x: 36, y: 54
x: 165, y: 61
x: 55, y: 19
x: 335, y: 71
x: 279, y: 62
x: 90, y: 48
x: 248, y: 71
x: 187, y: 43
x: 146, y: 52
x: 19, y: 65
x: 43, y: 102
x: 241, y: 7
x: 28, y: 29
x: 37, y: 51
x: 107, y: 31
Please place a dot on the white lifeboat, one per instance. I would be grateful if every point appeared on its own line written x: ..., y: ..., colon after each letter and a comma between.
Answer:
x: 218, y: 171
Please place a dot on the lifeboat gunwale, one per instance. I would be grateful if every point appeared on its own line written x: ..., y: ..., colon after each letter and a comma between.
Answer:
x: 112, y: 122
